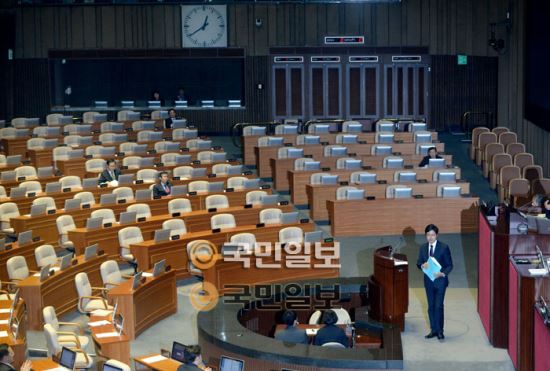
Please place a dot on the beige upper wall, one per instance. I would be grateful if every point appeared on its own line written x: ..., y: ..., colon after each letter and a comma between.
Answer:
x: 445, y: 26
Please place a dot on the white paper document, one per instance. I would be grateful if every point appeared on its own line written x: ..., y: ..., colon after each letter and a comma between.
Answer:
x: 4, y: 321
x: 311, y: 331
x: 107, y: 335
x: 400, y: 262
x: 5, y: 310
x: 98, y: 323
x: 3, y: 334
x: 538, y: 272
x: 154, y: 359
x: 146, y: 274
x: 101, y: 312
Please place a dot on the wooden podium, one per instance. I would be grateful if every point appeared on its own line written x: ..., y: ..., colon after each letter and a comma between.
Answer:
x: 389, y: 287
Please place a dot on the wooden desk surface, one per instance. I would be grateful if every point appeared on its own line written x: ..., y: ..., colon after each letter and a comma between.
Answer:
x: 175, y: 252
x: 24, y: 203
x: 44, y: 364
x: 251, y: 141
x: 235, y: 273
x: 58, y: 290
x: 26, y: 251
x: 149, y: 303
x: 114, y: 347
x: 19, y: 344
x: 9, y: 184
x: 298, y: 178
x: 319, y: 194
x: 264, y: 155
x: 195, y: 221
x: 167, y: 364
x: 398, y: 216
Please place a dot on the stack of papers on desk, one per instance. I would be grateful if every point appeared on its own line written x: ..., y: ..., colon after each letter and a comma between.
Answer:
x: 400, y: 262
x: 3, y: 334
x: 98, y: 323
x: 4, y: 321
x: 433, y: 268
x: 312, y: 331
x: 154, y: 359
x: 146, y: 274
x: 538, y: 272
x: 101, y: 312
x: 107, y: 335
x: 5, y: 310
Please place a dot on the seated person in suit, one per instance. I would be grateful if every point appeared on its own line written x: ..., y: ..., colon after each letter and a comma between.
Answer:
x: 163, y: 187
x: 546, y: 206
x: 110, y: 173
x: 6, y: 359
x: 192, y: 359
x: 292, y: 334
x: 432, y: 153
x: 156, y: 96
x: 171, y: 116
x: 181, y: 94
x: 331, y: 333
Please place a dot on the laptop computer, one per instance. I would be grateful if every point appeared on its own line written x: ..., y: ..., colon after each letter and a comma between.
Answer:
x: 51, y: 143
x: 270, y: 199
x: 38, y: 210
x: 107, y: 199
x: 127, y: 217
x: 219, y: 157
x: 88, y: 183
x: 182, y: 159
x: 44, y: 172
x: 107, y: 367
x: 125, y: 179
x: 139, y: 148
x: 24, y: 238
x: 65, y: 261
x: 198, y: 172
x: 162, y: 235
x: 94, y: 223
x: 77, y: 153
x: 72, y: 204
x: 143, y: 194
x: 251, y: 183
x: 90, y: 251
x: 179, y: 190
x: 13, y: 160
x: 7, y: 175
x: 136, y: 280
x: 314, y: 236
x: 53, y: 187
x: 159, y: 267
x: 179, y: 124
x: 234, y: 169
x: 67, y: 359
x: 146, y: 162
x: 19, y: 192
x: 44, y: 273
x: 178, y: 351
x: 215, y: 187
x: 231, y: 364
x: 290, y: 217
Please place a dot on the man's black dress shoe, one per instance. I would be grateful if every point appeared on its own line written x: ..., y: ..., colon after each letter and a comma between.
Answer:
x: 440, y: 336
x: 431, y: 335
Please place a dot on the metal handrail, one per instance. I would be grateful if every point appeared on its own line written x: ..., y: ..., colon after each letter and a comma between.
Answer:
x: 464, y: 123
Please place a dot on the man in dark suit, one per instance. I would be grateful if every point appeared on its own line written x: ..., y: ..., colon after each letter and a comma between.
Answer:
x: 171, y: 117
x: 432, y: 153
x: 110, y: 173
x: 6, y: 359
x: 192, y: 359
x: 331, y: 333
x: 163, y: 187
x: 435, y: 290
x: 291, y: 334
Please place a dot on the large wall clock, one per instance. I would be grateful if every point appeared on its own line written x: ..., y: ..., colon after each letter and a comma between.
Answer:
x: 204, y: 26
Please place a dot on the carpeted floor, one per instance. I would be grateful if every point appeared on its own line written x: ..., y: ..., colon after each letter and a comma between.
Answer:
x: 465, y: 348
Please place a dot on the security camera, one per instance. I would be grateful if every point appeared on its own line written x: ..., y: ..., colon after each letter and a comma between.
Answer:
x: 259, y: 22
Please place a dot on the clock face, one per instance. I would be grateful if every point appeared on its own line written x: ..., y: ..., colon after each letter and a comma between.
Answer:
x: 204, y: 26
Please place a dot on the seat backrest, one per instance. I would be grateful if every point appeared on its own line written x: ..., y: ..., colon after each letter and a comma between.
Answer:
x: 255, y: 197
x: 518, y: 187
x: 492, y: 149
x: 486, y: 138
x: 142, y: 210
x: 52, y: 342
x: 205, y: 156
x: 8, y: 210
x: 523, y: 159
x: 128, y: 236
x: 94, y: 151
x: 198, y: 186
x: 343, y: 316
x: 133, y: 162
x: 25, y: 171
x: 85, y: 197
x: 291, y: 234
x: 70, y: 181
x: 48, y: 201
x: 247, y: 240
x: 248, y: 130
x: 83, y: 286
x: 390, y: 190
x: 17, y: 268
x: 179, y: 205
x: 507, y: 137
x: 216, y: 201
x: 45, y: 255
x: 532, y: 172
x: 176, y: 226
x: 95, y: 165
x: 299, y: 163
x: 315, y: 178
x: 88, y: 117
x: 341, y: 192
x: 220, y: 169
x: 351, y: 126
x: 124, y: 193
x: 169, y: 159
x: 270, y: 216
x: 50, y: 317
x: 508, y: 173
x: 236, y: 182
x: 223, y: 221
x: 499, y: 160
x: 31, y: 186
x: 182, y: 171
x: 147, y: 175
x: 110, y: 273
x: 35, y: 143
x: 515, y: 148
x: 65, y: 223
x: 476, y: 132
x: 499, y: 130
x: 107, y: 214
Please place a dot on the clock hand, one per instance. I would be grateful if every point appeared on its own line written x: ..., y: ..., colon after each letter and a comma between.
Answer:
x: 201, y: 28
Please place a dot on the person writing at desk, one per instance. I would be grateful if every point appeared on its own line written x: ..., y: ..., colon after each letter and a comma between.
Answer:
x: 164, y: 187
x: 291, y: 334
x: 331, y: 333
x: 6, y: 359
x: 432, y: 153
x: 192, y: 359
x: 435, y: 290
x: 110, y: 173
x: 170, y: 119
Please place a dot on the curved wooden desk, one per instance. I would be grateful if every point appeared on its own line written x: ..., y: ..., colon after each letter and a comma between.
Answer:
x: 149, y: 303
x: 195, y: 221
x: 58, y: 290
x: 149, y: 252
x: 19, y: 343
